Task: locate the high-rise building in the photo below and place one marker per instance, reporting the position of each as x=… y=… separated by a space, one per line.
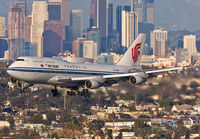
x=90 y=49
x=65 y=11
x=52 y=38
x=189 y=43
x=3 y=46
x=2 y=27
x=54 y=11
x=119 y=20
x=129 y=28
x=160 y=48
x=77 y=23
x=39 y=15
x=110 y=18
x=27 y=28
x=145 y=10
x=100 y=19
x=93 y=34
x=77 y=45
x=92 y=13
x=159 y=41
x=23 y=5
x=16 y=33
x=181 y=55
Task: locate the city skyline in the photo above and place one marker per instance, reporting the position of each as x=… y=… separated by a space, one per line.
x=166 y=13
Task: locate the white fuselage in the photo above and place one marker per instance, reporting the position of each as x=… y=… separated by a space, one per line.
x=42 y=70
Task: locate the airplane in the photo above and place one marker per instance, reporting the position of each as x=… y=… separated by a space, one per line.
x=79 y=78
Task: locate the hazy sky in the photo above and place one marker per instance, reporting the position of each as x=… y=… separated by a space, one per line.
x=169 y=14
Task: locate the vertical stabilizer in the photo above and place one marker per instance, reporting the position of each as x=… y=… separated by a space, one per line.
x=133 y=54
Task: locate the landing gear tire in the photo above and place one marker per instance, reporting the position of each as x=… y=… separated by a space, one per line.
x=71 y=93
x=86 y=93
x=55 y=92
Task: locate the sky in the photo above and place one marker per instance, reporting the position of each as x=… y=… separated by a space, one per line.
x=169 y=14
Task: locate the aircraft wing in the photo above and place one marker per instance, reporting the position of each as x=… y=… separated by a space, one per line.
x=125 y=74
x=113 y=76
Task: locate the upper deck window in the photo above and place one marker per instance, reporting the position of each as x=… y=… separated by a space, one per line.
x=20 y=59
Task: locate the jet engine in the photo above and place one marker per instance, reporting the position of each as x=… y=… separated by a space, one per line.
x=136 y=80
x=92 y=84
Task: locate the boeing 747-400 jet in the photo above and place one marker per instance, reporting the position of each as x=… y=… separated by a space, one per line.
x=80 y=77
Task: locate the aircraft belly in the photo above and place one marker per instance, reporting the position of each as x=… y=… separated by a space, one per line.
x=32 y=77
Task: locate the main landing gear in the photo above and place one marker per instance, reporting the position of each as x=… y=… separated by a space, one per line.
x=83 y=92
x=55 y=92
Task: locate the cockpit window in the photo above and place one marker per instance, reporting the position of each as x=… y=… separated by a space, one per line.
x=20 y=60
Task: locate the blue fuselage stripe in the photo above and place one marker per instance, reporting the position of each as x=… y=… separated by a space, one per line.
x=62 y=71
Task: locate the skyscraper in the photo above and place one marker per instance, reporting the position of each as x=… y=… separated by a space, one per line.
x=54 y=11
x=52 y=38
x=16 y=33
x=145 y=10
x=27 y=28
x=23 y=5
x=78 y=47
x=110 y=18
x=129 y=28
x=39 y=15
x=100 y=20
x=65 y=11
x=2 y=27
x=189 y=43
x=119 y=20
x=77 y=23
x=92 y=13
x=158 y=43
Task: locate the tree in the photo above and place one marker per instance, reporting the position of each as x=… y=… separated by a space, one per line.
x=11 y=121
x=180 y=123
x=5 y=131
x=65 y=117
x=95 y=127
x=119 y=136
x=194 y=85
x=112 y=116
x=51 y=116
x=37 y=118
x=2 y=117
x=55 y=136
x=140 y=124
x=143 y=116
x=183 y=88
x=125 y=116
x=187 y=134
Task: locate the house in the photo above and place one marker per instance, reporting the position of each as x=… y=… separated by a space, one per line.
x=4 y=124
x=196 y=108
x=125 y=135
x=33 y=126
x=182 y=108
x=120 y=124
x=113 y=109
x=92 y=117
x=188 y=122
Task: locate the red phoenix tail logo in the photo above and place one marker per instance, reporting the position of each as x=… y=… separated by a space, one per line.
x=136 y=52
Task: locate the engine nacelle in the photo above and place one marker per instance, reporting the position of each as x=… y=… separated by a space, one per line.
x=136 y=80
x=92 y=84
